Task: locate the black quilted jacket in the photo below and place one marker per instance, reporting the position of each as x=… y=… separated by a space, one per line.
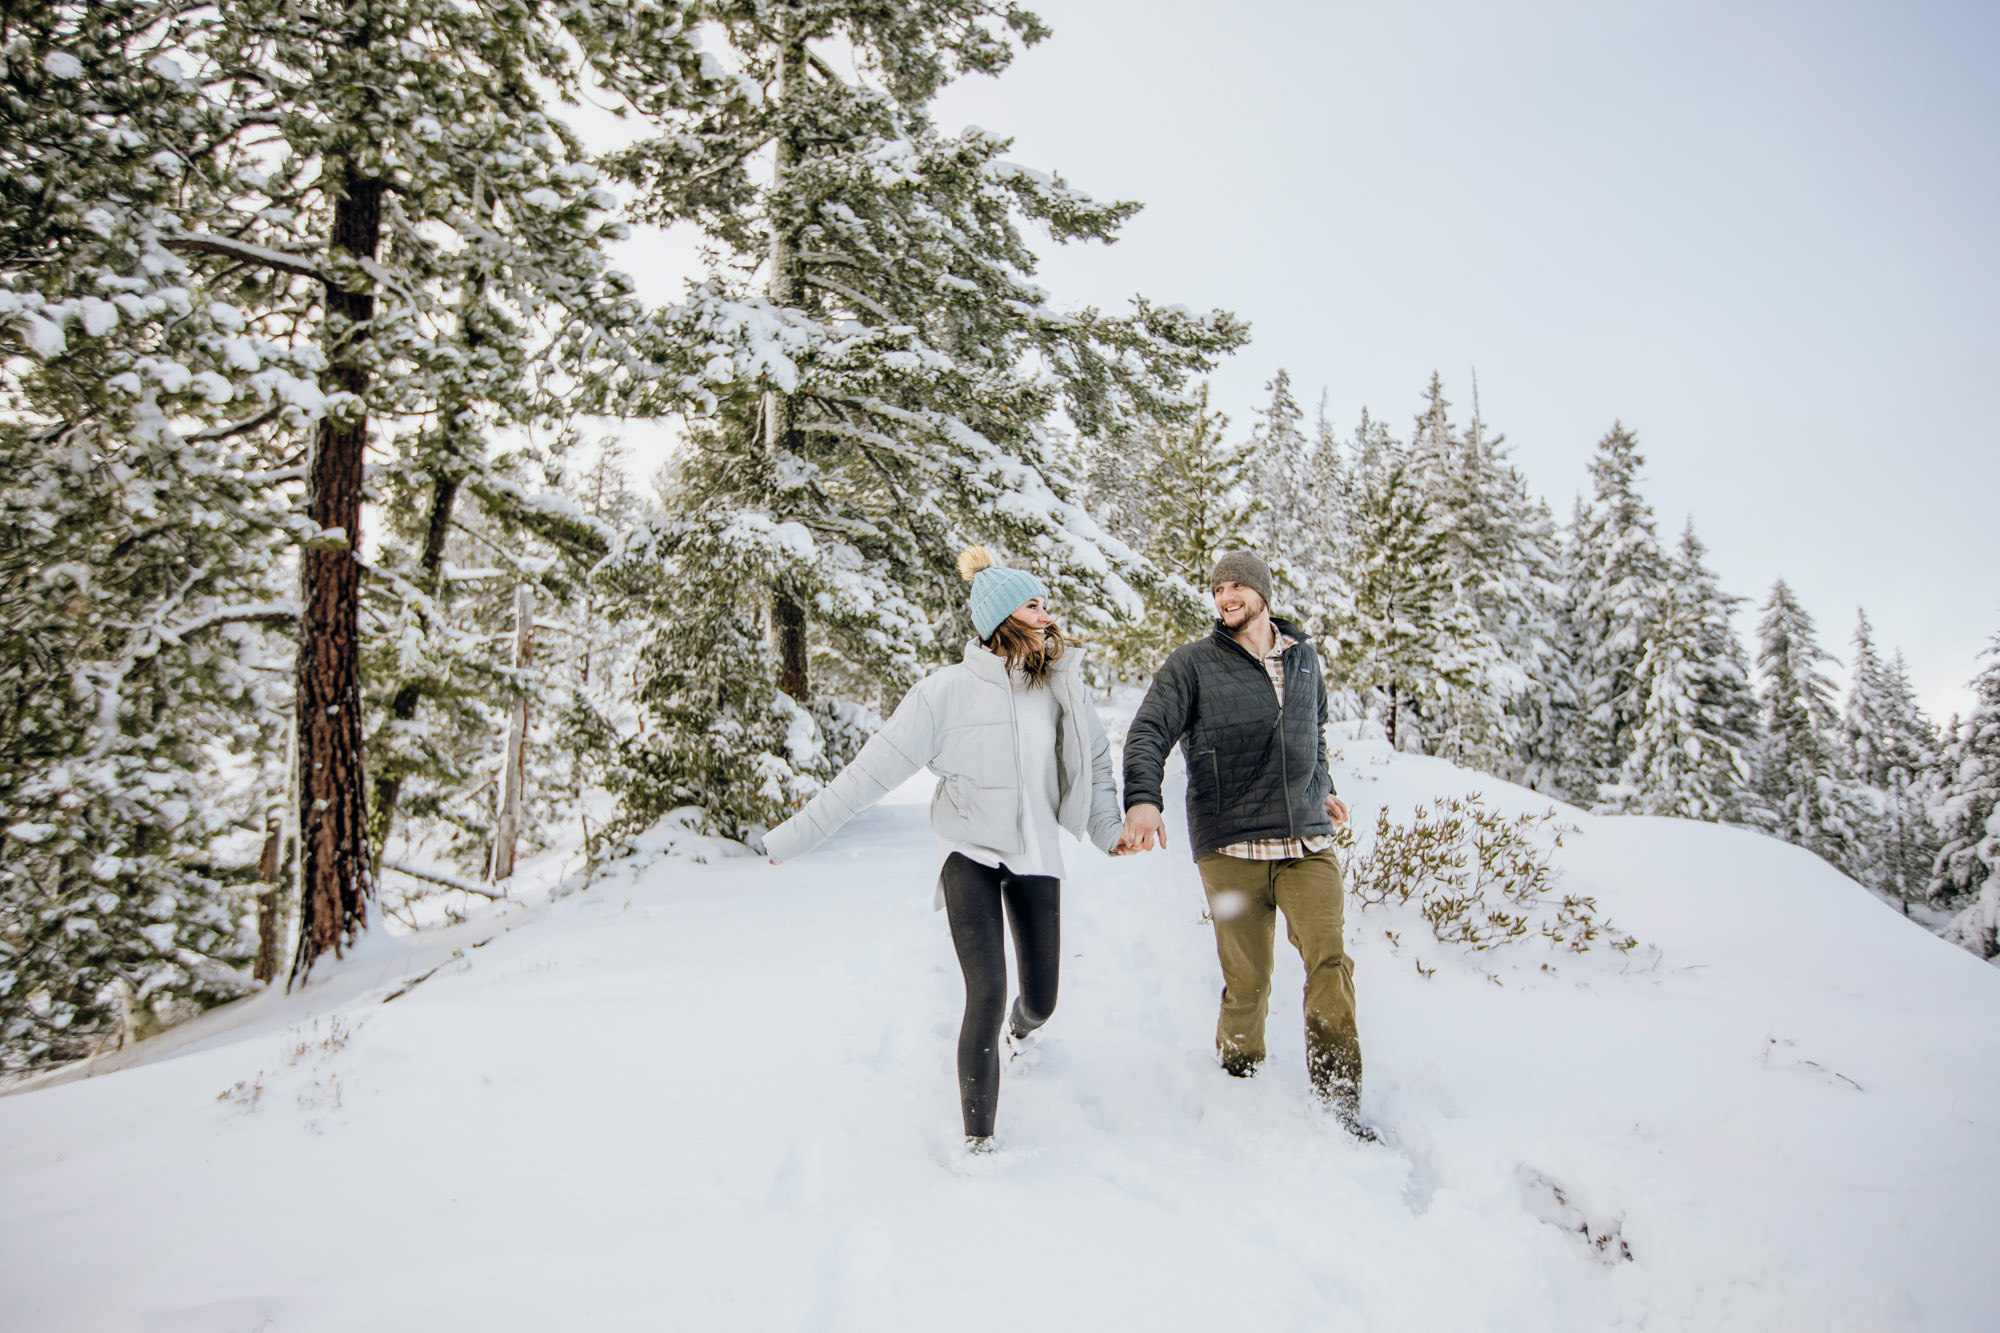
x=1254 y=770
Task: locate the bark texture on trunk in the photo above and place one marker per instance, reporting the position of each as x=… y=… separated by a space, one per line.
x=403 y=704
x=337 y=867
x=789 y=619
x=788 y=615
x=507 y=830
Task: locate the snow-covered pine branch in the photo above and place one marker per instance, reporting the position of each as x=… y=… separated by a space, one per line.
x=263 y=256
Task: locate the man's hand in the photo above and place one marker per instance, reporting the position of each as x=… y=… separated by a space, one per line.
x=1144 y=830
x=1336 y=810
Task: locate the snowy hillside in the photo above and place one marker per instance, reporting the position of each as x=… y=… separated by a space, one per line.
x=716 y=1096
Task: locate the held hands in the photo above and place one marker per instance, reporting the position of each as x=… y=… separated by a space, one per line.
x=1144 y=830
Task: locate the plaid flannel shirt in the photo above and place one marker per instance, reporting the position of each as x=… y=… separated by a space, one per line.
x=1278 y=849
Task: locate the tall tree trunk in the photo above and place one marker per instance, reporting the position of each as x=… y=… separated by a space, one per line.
x=403 y=704
x=1395 y=709
x=789 y=619
x=338 y=878
x=507 y=830
x=788 y=615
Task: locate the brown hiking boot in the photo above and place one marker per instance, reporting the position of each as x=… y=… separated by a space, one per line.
x=1343 y=1098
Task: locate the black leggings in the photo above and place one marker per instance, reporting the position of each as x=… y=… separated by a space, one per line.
x=973 y=898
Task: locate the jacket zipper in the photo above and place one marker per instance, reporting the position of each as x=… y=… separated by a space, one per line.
x=1285 y=774
x=1020 y=775
x=1284 y=761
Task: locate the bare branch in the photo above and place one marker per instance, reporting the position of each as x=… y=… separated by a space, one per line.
x=448 y=881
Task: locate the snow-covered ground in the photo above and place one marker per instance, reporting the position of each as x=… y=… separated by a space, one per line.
x=718 y=1095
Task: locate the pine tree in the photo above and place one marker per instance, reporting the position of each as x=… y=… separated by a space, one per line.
x=439 y=238
x=1197 y=502
x=1891 y=752
x=143 y=538
x=884 y=383
x=1692 y=751
x=1801 y=778
x=242 y=243
x=1864 y=719
x=1966 y=860
x=1977 y=926
x=1502 y=547
x=1284 y=530
x=1909 y=778
x=1194 y=503
x=1327 y=493
x=1618 y=578
x=1409 y=640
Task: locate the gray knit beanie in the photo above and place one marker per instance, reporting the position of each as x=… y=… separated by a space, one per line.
x=1246 y=569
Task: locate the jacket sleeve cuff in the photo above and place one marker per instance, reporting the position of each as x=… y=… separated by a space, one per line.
x=786 y=841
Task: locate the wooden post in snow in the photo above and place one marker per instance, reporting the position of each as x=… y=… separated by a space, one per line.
x=507 y=831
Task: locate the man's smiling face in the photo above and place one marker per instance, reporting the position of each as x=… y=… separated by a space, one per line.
x=1237 y=604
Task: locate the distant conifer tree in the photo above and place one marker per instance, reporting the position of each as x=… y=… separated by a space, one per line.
x=1802 y=778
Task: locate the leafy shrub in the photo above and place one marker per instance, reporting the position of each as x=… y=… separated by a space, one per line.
x=1480 y=878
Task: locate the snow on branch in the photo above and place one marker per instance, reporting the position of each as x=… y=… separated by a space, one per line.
x=262 y=255
x=448 y=881
x=233 y=428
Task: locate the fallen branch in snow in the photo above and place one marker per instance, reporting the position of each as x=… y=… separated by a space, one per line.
x=448 y=881
x=410 y=985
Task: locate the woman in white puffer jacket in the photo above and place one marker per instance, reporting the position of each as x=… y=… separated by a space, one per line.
x=1019 y=751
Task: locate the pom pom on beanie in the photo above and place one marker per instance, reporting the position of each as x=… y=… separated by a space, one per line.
x=997 y=591
x=971 y=560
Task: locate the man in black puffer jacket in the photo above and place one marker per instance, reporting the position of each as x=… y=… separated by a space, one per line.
x=1248 y=707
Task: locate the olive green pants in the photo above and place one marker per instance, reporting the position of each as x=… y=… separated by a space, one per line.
x=1244 y=898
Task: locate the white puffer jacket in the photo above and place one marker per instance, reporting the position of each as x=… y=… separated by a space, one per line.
x=959 y=721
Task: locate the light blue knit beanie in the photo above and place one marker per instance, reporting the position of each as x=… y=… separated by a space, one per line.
x=997 y=591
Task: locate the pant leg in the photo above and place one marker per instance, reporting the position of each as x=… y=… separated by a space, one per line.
x=1241 y=905
x=1312 y=893
x=972 y=903
x=1034 y=912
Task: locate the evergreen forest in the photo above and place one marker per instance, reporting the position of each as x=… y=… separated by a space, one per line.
x=327 y=585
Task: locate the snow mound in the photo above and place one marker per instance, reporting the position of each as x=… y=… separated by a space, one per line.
x=713 y=1094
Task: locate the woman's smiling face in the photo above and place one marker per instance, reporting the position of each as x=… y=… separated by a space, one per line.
x=1034 y=613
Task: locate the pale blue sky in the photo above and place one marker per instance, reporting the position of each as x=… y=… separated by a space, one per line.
x=1759 y=233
